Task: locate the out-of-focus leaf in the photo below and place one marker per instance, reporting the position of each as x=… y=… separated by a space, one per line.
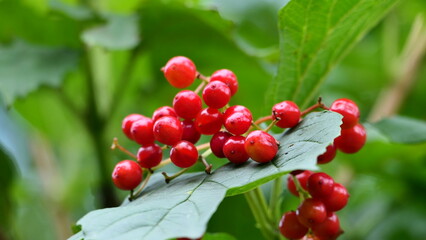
x=402 y=129
x=218 y=236
x=75 y=11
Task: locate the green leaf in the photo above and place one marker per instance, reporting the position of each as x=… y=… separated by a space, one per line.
x=402 y=129
x=119 y=33
x=315 y=36
x=184 y=207
x=218 y=236
x=25 y=67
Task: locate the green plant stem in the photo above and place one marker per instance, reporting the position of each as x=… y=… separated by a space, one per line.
x=259 y=215
x=276 y=199
x=302 y=193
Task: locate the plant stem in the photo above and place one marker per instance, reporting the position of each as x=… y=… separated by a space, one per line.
x=259 y=215
x=170 y=178
x=302 y=193
x=115 y=145
x=144 y=183
x=319 y=104
x=275 y=202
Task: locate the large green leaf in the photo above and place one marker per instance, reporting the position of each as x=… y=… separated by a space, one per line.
x=315 y=36
x=183 y=207
x=402 y=129
x=25 y=67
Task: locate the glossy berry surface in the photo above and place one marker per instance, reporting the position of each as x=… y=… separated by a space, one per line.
x=190 y=132
x=237 y=119
x=239 y=109
x=351 y=140
x=217 y=141
x=168 y=130
x=184 y=154
x=320 y=185
x=302 y=177
x=180 y=72
x=162 y=112
x=290 y=227
x=149 y=156
x=261 y=146
x=329 y=229
x=234 y=150
x=337 y=199
x=142 y=131
x=216 y=94
x=288 y=113
x=328 y=156
x=348 y=109
x=311 y=212
x=127 y=175
x=208 y=121
x=228 y=77
x=128 y=122
x=187 y=104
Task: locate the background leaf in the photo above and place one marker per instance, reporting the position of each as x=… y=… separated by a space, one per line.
x=402 y=129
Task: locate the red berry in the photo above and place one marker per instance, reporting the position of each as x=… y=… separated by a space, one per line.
x=168 y=130
x=142 y=131
x=127 y=175
x=302 y=177
x=328 y=156
x=337 y=199
x=208 y=121
x=290 y=227
x=348 y=109
x=311 y=212
x=127 y=124
x=234 y=150
x=162 y=112
x=329 y=229
x=150 y=156
x=216 y=94
x=190 y=132
x=228 y=77
x=237 y=108
x=261 y=146
x=187 y=104
x=180 y=72
x=288 y=113
x=237 y=119
x=320 y=185
x=184 y=154
x=217 y=142
x=351 y=140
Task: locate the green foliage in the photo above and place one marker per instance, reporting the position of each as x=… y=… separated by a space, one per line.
x=402 y=129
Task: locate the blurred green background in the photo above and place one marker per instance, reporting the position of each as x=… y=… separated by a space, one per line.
x=70 y=71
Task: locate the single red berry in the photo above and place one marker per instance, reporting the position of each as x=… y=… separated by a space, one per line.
x=328 y=156
x=237 y=121
x=128 y=122
x=168 y=130
x=180 y=72
x=228 y=77
x=184 y=154
x=302 y=177
x=234 y=149
x=290 y=227
x=127 y=175
x=261 y=146
x=217 y=142
x=351 y=140
x=162 y=112
x=348 y=109
x=237 y=108
x=311 y=212
x=190 y=132
x=187 y=104
x=150 y=156
x=329 y=229
x=337 y=199
x=320 y=185
x=142 y=131
x=288 y=113
x=208 y=121
x=216 y=94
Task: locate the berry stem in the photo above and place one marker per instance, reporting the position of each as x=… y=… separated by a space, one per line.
x=302 y=193
x=139 y=191
x=319 y=104
x=115 y=145
x=271 y=125
x=200 y=87
x=275 y=199
x=206 y=164
x=168 y=178
x=260 y=215
x=263 y=119
x=202 y=77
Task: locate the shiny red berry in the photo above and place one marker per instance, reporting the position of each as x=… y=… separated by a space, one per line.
x=234 y=150
x=261 y=146
x=127 y=124
x=237 y=108
x=320 y=185
x=290 y=227
x=184 y=154
x=190 y=132
x=208 y=121
x=302 y=177
x=180 y=72
x=337 y=199
x=216 y=94
x=168 y=130
x=237 y=119
x=162 y=112
x=187 y=104
x=351 y=140
x=217 y=142
x=329 y=229
x=149 y=156
x=328 y=156
x=348 y=109
x=142 y=131
x=311 y=212
x=288 y=113
x=228 y=77
x=127 y=175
